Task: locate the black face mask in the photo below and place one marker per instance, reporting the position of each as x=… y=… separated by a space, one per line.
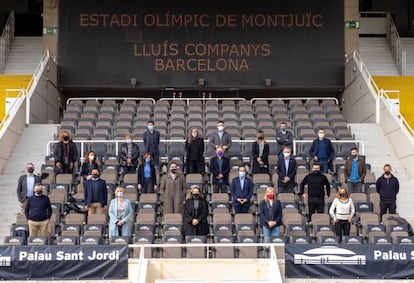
x=316 y=171
x=30 y=170
x=174 y=170
x=342 y=195
x=95 y=176
x=39 y=193
x=387 y=173
x=196 y=196
x=65 y=138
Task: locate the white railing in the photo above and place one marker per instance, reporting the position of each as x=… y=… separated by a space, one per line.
x=295 y=98
x=24 y=96
x=397 y=50
x=382 y=95
x=6 y=41
x=110 y=98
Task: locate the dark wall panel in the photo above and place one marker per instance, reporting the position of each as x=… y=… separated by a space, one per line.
x=295 y=43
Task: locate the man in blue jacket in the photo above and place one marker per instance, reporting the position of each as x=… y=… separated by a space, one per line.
x=95 y=194
x=322 y=151
x=241 y=192
x=38 y=212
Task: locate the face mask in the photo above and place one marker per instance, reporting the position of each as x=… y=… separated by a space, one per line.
x=316 y=171
x=95 y=176
x=260 y=138
x=128 y=141
x=30 y=170
x=194 y=134
x=196 y=196
x=150 y=128
x=283 y=129
x=220 y=153
x=286 y=154
x=39 y=192
x=119 y=194
x=220 y=128
x=342 y=195
x=173 y=170
x=270 y=196
x=65 y=138
x=387 y=173
x=91 y=157
x=242 y=174
x=321 y=136
x=147 y=160
x=353 y=156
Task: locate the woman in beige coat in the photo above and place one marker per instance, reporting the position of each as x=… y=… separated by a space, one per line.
x=173 y=190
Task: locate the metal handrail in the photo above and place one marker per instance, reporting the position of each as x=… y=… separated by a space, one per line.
x=295 y=98
x=109 y=98
x=397 y=50
x=6 y=41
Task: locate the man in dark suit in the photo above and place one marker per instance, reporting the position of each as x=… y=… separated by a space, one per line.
x=26 y=184
x=241 y=192
x=128 y=155
x=286 y=171
x=151 y=139
x=95 y=194
x=220 y=169
x=220 y=138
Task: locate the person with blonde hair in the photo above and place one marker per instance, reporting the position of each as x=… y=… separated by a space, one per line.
x=120 y=211
x=270 y=215
x=194 y=146
x=195 y=213
x=342 y=211
x=65 y=154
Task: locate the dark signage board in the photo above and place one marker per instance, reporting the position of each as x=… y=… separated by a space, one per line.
x=63 y=262
x=350 y=261
x=223 y=44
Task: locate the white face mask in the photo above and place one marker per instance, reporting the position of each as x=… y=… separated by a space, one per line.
x=194 y=134
x=321 y=135
x=220 y=128
x=120 y=194
x=242 y=174
x=286 y=154
x=150 y=127
x=128 y=141
x=91 y=157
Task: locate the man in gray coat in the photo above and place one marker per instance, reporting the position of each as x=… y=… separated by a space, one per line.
x=173 y=190
x=219 y=138
x=25 y=185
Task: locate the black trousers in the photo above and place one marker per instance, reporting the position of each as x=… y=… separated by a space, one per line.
x=389 y=205
x=195 y=166
x=315 y=205
x=342 y=227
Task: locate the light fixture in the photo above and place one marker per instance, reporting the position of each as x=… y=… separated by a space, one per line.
x=268 y=83
x=133 y=82
x=201 y=82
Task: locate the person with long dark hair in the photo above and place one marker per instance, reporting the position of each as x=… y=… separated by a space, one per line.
x=194 y=146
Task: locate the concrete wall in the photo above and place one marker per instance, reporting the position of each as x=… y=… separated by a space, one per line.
x=45 y=104
x=351 y=35
x=50 y=20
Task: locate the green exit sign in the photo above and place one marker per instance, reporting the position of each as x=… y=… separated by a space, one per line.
x=352 y=24
x=50 y=31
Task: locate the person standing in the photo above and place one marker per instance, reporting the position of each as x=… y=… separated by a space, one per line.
x=173 y=190
x=120 y=211
x=26 y=184
x=286 y=171
x=195 y=214
x=65 y=154
x=151 y=139
x=88 y=165
x=194 y=146
x=388 y=187
x=318 y=188
x=355 y=171
x=128 y=155
x=342 y=211
x=322 y=151
x=260 y=155
x=147 y=178
x=95 y=194
x=283 y=138
x=270 y=215
x=241 y=192
x=38 y=212
x=220 y=169
x=220 y=139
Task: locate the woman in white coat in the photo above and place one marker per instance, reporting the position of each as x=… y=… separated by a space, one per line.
x=120 y=212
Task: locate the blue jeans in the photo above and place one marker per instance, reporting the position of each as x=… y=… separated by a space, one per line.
x=324 y=165
x=267 y=233
x=242 y=208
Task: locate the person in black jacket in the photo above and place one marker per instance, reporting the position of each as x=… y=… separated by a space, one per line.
x=388 y=188
x=147 y=178
x=220 y=169
x=260 y=155
x=318 y=187
x=88 y=165
x=194 y=146
x=286 y=171
x=128 y=155
x=195 y=214
x=270 y=215
x=38 y=212
x=65 y=154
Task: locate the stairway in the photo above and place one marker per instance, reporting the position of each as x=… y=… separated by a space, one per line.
x=25 y=55
x=25 y=151
x=379 y=152
x=408 y=44
x=376 y=55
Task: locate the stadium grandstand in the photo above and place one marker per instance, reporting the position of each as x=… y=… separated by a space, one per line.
x=101 y=70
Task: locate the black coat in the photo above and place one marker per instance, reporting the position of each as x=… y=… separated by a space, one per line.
x=123 y=153
x=85 y=169
x=265 y=158
x=59 y=155
x=189 y=214
x=195 y=149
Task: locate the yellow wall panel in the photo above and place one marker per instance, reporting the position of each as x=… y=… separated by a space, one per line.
x=11 y=82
